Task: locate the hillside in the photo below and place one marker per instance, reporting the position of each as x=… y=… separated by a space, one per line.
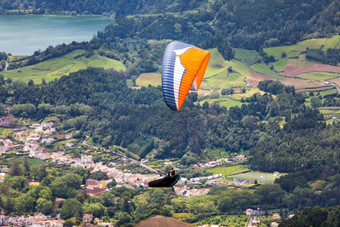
x=159 y=221
x=245 y=24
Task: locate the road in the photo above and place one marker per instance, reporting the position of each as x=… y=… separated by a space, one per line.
x=250 y=222
x=337 y=87
x=124 y=156
x=6 y=66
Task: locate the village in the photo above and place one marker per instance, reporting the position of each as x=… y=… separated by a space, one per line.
x=32 y=139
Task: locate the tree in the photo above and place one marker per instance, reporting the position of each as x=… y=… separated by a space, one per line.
x=42 y=172
x=269 y=194
x=62 y=186
x=71 y=208
x=26 y=165
x=99 y=175
x=96 y=209
x=315 y=102
x=108 y=199
x=69 y=223
x=112 y=183
x=16 y=168
x=44 y=206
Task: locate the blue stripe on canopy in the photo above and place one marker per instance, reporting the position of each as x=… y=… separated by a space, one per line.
x=168 y=68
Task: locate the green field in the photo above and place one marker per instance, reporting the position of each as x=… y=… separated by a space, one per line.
x=318 y=76
x=36 y=162
x=310 y=43
x=327 y=92
x=333 y=42
x=263 y=68
x=250 y=92
x=276 y=51
x=225 y=80
x=4 y=132
x=279 y=65
x=147 y=79
x=302 y=83
x=249 y=57
x=56 y=67
x=330 y=111
x=225 y=101
x=229 y=170
x=261 y=177
x=216 y=63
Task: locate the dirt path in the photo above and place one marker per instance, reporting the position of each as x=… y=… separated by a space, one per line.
x=250 y=222
x=6 y=66
x=337 y=87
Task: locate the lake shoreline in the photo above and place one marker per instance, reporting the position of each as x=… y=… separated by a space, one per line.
x=42 y=31
x=66 y=14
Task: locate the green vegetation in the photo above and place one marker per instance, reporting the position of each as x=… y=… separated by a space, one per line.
x=333 y=42
x=5 y=132
x=57 y=67
x=311 y=43
x=226 y=220
x=249 y=57
x=277 y=51
x=145 y=79
x=263 y=68
x=225 y=80
x=261 y=177
x=322 y=76
x=229 y=170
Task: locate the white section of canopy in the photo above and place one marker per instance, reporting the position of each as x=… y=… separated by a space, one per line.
x=179 y=70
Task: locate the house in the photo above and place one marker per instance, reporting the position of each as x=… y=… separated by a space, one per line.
x=95 y=191
x=33 y=137
x=106 y=224
x=276 y=216
x=39 y=129
x=249 y=212
x=46 y=125
x=35 y=126
x=2 y=177
x=6 y=142
x=21 y=136
x=47 y=140
x=4 y=170
x=274 y=224
x=87 y=218
x=49 y=132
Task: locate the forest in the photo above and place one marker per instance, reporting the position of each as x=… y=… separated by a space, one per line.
x=244 y=24
x=99 y=104
x=276 y=129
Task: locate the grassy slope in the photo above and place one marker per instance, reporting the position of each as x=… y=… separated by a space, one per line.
x=333 y=42
x=230 y=170
x=146 y=79
x=56 y=67
x=318 y=76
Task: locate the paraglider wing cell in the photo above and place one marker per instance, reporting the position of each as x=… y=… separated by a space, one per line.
x=183 y=69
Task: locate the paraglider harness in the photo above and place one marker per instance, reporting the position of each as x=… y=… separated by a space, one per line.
x=169 y=180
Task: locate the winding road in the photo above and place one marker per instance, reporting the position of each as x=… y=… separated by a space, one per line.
x=124 y=156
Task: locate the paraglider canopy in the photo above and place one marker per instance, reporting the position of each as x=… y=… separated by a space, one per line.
x=183 y=69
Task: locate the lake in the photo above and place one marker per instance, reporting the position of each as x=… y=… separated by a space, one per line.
x=24 y=34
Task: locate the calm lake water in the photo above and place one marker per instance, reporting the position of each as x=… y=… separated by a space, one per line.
x=22 y=35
